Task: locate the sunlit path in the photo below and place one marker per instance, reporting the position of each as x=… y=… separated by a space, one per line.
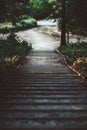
x=50 y=22
x=39 y=40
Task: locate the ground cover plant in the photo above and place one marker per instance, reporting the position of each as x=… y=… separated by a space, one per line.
x=76 y=56
x=22 y=24
x=12 y=50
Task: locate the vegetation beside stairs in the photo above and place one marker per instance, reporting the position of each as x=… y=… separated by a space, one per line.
x=13 y=49
x=76 y=56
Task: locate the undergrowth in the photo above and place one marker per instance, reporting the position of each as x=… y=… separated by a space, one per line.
x=20 y=25
x=12 y=50
x=76 y=56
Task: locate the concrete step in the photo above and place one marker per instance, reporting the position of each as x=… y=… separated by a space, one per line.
x=43 y=96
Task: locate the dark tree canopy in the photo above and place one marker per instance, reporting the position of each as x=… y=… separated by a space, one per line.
x=77 y=14
x=76 y=11
x=35 y=8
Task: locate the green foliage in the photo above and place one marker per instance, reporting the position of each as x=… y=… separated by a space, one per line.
x=40 y=8
x=23 y=24
x=28 y=21
x=21 y=17
x=11 y=51
x=74 y=50
x=76 y=55
x=81 y=65
x=12 y=10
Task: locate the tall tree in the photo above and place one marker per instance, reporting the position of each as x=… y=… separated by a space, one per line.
x=77 y=14
x=41 y=8
x=63 y=23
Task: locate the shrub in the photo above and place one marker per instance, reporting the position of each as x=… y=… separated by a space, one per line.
x=74 y=50
x=23 y=24
x=11 y=51
x=21 y=17
x=30 y=21
x=76 y=56
x=81 y=65
x=18 y=25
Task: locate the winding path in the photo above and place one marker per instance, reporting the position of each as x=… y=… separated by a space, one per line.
x=39 y=40
x=43 y=93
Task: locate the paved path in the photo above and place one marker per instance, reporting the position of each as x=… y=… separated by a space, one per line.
x=43 y=94
x=39 y=40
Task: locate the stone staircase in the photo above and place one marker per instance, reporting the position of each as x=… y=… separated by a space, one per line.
x=43 y=94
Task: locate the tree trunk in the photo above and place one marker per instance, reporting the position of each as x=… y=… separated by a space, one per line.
x=67 y=34
x=12 y=12
x=63 y=26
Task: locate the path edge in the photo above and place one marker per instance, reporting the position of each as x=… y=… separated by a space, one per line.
x=66 y=63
